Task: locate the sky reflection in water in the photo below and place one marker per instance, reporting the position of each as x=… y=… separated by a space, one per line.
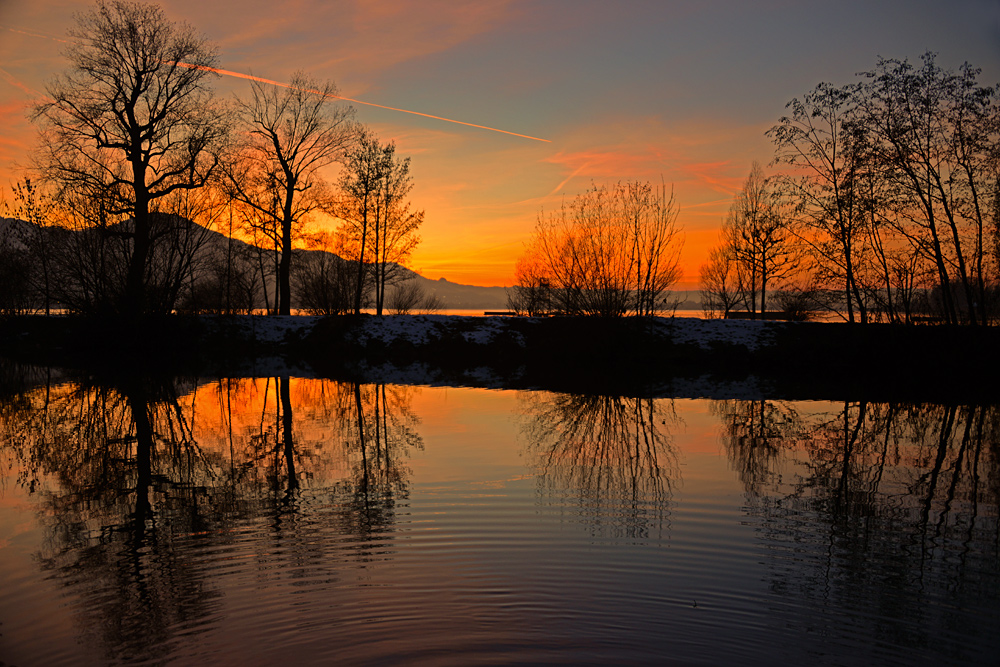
x=261 y=520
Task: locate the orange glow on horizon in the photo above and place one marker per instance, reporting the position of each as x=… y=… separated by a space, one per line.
x=494 y=266
x=478 y=221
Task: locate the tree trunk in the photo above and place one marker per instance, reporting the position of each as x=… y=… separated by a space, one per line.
x=284 y=269
x=135 y=288
x=139 y=408
x=288 y=444
x=361 y=264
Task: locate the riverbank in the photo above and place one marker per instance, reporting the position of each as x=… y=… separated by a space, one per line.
x=657 y=356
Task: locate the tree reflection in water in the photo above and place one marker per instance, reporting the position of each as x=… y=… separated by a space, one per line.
x=879 y=509
x=138 y=478
x=612 y=456
x=380 y=433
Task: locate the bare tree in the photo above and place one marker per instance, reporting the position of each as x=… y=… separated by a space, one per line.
x=323 y=283
x=359 y=207
x=396 y=228
x=759 y=240
x=294 y=133
x=652 y=212
x=398 y=238
x=405 y=297
x=895 y=179
x=15 y=270
x=379 y=231
x=612 y=251
x=260 y=222
x=935 y=133
x=719 y=293
x=133 y=119
x=822 y=141
x=408 y=296
x=91 y=259
x=229 y=284
x=531 y=294
x=35 y=207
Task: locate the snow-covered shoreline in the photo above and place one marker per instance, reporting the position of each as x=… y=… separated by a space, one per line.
x=421 y=329
x=681 y=357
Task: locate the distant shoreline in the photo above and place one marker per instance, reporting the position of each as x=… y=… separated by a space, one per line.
x=657 y=356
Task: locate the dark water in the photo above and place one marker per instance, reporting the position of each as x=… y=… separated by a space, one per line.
x=276 y=520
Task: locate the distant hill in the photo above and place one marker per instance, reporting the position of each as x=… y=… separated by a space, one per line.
x=452 y=295
x=12 y=231
x=468 y=297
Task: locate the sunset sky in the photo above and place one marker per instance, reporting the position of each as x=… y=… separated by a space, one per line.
x=679 y=91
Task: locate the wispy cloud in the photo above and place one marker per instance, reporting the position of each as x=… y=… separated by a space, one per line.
x=358 y=38
x=17 y=83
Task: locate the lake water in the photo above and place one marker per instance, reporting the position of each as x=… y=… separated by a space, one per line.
x=300 y=521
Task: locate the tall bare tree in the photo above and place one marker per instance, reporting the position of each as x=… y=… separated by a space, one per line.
x=823 y=144
x=379 y=229
x=895 y=180
x=936 y=135
x=759 y=238
x=366 y=166
x=293 y=134
x=133 y=119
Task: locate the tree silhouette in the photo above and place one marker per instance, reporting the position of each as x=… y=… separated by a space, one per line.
x=894 y=182
x=612 y=251
x=379 y=231
x=294 y=133
x=131 y=123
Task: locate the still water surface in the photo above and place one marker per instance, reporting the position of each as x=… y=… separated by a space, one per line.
x=284 y=520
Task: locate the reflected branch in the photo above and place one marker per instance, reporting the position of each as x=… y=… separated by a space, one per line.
x=127 y=484
x=615 y=456
x=859 y=504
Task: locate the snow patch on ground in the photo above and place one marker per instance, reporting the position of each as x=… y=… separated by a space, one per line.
x=421 y=329
x=275 y=329
x=488 y=330
x=265 y=328
x=690 y=330
x=415 y=329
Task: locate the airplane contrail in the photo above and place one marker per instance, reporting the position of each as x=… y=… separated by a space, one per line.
x=569 y=178
x=250 y=77
x=40 y=35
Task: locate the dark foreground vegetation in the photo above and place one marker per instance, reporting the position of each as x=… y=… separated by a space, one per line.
x=631 y=356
